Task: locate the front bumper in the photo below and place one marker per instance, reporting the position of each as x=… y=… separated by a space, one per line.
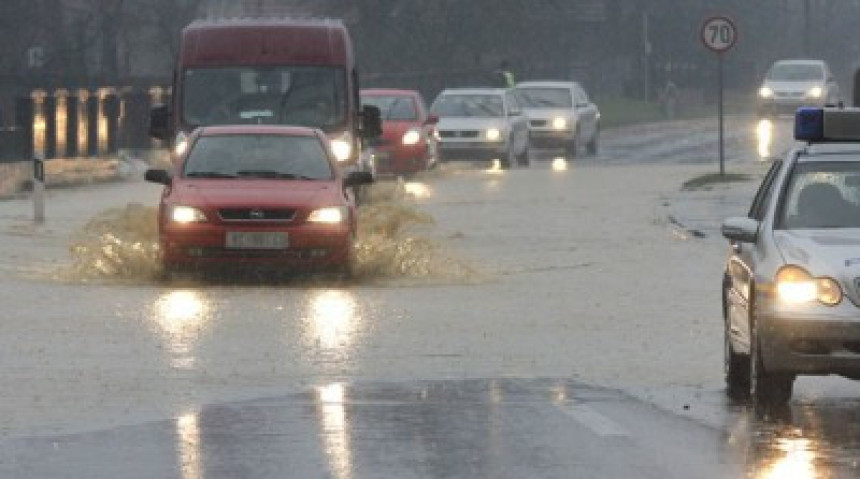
x=810 y=344
x=400 y=160
x=310 y=247
x=472 y=151
x=550 y=138
x=787 y=106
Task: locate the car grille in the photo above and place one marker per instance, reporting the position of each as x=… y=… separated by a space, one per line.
x=785 y=94
x=257 y=214
x=459 y=133
x=538 y=123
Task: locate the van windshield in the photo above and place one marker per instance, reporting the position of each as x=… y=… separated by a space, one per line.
x=303 y=96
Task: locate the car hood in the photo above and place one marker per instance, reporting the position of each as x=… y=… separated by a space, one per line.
x=833 y=253
x=793 y=86
x=216 y=193
x=472 y=123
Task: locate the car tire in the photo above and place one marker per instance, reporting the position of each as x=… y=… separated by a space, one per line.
x=767 y=390
x=737 y=369
x=524 y=159
x=571 y=147
x=593 y=146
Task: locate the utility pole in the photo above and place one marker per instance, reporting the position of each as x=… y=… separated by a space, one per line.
x=807 y=28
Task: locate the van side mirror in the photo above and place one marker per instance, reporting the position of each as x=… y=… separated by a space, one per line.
x=159 y=122
x=358 y=178
x=161 y=177
x=740 y=229
x=371 y=122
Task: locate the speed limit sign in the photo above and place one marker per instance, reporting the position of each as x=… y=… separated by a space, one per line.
x=719 y=34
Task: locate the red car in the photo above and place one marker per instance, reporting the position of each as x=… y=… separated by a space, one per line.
x=408 y=143
x=270 y=197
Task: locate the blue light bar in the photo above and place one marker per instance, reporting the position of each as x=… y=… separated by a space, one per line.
x=819 y=125
x=809 y=124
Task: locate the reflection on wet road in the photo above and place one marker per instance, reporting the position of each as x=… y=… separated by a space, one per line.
x=180 y=317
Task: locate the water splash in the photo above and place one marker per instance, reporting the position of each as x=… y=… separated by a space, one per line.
x=394 y=242
x=119 y=243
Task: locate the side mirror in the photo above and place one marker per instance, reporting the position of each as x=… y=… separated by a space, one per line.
x=432 y=120
x=371 y=122
x=741 y=229
x=161 y=177
x=159 y=122
x=358 y=178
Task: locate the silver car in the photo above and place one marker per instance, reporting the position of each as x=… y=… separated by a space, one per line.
x=481 y=124
x=560 y=115
x=791 y=290
x=791 y=84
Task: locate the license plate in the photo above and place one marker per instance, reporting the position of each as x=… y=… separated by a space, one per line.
x=255 y=240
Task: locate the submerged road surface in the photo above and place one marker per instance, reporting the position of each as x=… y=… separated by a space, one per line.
x=572 y=331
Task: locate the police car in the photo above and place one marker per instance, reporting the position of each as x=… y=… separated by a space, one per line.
x=791 y=289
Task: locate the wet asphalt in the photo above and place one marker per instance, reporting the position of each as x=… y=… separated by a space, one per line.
x=587 y=345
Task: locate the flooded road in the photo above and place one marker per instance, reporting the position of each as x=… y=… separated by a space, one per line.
x=553 y=288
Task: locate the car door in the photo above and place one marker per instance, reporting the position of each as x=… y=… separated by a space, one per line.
x=586 y=113
x=740 y=271
x=517 y=124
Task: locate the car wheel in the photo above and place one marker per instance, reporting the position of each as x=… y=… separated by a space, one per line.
x=571 y=147
x=767 y=390
x=737 y=369
x=509 y=160
x=524 y=158
x=592 y=146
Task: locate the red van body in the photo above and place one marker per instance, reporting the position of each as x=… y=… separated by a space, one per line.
x=267 y=72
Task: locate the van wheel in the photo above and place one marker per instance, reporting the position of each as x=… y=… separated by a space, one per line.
x=524 y=159
x=571 y=147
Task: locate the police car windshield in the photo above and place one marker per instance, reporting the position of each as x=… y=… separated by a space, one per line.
x=823 y=194
x=545 y=97
x=258 y=156
x=796 y=72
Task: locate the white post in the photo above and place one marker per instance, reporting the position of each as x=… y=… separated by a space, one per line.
x=38 y=190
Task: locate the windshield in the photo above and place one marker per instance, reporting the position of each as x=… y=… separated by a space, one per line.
x=305 y=96
x=796 y=72
x=545 y=97
x=263 y=156
x=823 y=195
x=393 y=108
x=490 y=106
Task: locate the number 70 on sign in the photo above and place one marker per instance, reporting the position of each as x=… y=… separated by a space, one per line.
x=719 y=34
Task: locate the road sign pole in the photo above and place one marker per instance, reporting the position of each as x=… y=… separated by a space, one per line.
x=38 y=190
x=720 y=113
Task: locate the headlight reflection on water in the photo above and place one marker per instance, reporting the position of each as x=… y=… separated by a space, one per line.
x=764 y=137
x=180 y=315
x=334 y=429
x=188 y=447
x=333 y=319
x=559 y=164
x=797 y=463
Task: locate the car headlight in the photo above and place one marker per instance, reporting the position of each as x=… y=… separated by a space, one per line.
x=331 y=215
x=180 y=145
x=493 y=134
x=342 y=147
x=187 y=214
x=411 y=137
x=559 y=123
x=815 y=92
x=765 y=92
x=794 y=285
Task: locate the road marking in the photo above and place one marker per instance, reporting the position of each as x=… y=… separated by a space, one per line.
x=588 y=417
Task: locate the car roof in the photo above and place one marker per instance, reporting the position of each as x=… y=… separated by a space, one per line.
x=799 y=61
x=474 y=91
x=388 y=91
x=547 y=83
x=257 y=130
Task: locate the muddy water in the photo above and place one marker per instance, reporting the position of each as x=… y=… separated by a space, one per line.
x=394 y=243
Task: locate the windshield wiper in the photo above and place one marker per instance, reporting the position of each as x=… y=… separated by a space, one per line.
x=272 y=174
x=208 y=174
